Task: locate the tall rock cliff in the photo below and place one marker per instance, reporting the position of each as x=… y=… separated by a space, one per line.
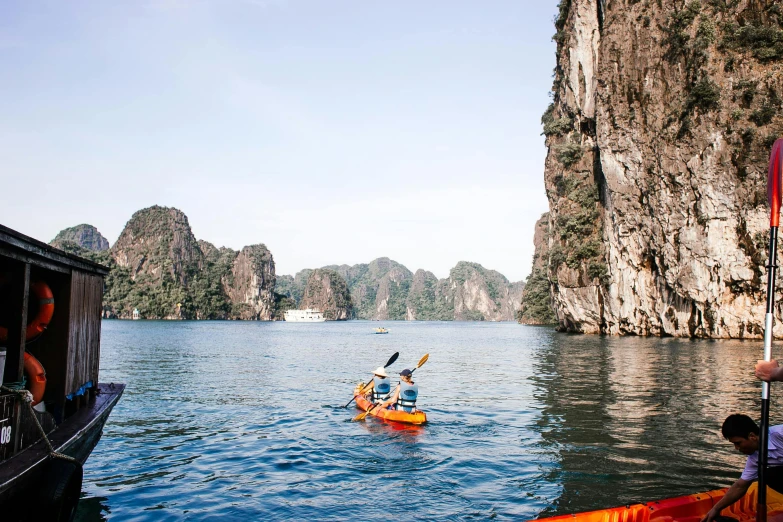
x=251 y=288
x=429 y=299
x=158 y=244
x=536 y=301
x=481 y=294
x=379 y=289
x=84 y=236
x=158 y=268
x=662 y=119
x=327 y=291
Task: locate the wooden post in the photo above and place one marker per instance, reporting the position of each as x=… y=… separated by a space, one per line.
x=18 y=296
x=17 y=327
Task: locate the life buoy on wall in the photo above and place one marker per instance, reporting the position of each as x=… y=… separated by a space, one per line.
x=36 y=377
x=38 y=324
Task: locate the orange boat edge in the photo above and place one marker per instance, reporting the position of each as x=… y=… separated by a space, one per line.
x=417 y=417
x=689 y=508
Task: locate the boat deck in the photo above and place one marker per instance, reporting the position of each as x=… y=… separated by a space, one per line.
x=75 y=437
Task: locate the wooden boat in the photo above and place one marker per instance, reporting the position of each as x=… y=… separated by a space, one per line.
x=689 y=508
x=43 y=449
x=417 y=417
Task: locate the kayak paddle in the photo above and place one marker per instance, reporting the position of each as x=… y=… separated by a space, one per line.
x=364 y=389
x=362 y=415
x=774 y=197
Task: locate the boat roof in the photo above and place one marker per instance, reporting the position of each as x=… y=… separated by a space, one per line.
x=23 y=248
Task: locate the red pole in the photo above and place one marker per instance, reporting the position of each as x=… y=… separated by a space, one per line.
x=774 y=197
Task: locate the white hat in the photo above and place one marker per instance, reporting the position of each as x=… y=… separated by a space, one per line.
x=380 y=372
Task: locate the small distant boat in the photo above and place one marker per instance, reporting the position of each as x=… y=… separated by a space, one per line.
x=381 y=330
x=304 y=316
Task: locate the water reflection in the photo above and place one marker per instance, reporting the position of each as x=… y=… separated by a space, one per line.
x=245 y=421
x=638 y=419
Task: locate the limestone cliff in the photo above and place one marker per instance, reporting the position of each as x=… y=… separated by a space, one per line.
x=293 y=287
x=158 y=268
x=327 y=291
x=251 y=288
x=386 y=290
x=158 y=244
x=481 y=294
x=84 y=236
x=658 y=137
x=536 y=302
x=428 y=299
x=378 y=289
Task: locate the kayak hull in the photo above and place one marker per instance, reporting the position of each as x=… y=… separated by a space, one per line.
x=417 y=417
x=689 y=508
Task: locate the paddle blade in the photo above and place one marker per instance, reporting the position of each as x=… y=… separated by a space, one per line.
x=361 y=416
x=775 y=183
x=423 y=360
x=391 y=360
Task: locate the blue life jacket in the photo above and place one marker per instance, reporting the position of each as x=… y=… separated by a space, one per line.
x=381 y=387
x=407 y=398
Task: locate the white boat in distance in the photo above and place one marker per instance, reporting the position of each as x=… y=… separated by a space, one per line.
x=304 y=316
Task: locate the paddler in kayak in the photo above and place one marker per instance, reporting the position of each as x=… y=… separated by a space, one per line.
x=381 y=386
x=743 y=432
x=405 y=394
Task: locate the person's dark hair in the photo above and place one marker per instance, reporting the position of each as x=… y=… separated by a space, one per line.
x=739 y=425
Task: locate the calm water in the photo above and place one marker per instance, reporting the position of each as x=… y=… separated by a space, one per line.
x=241 y=420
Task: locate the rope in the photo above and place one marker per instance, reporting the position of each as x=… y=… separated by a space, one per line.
x=27 y=398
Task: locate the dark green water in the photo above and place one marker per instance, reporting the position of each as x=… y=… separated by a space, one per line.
x=242 y=421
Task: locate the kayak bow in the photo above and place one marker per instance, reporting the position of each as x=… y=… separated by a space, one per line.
x=690 y=508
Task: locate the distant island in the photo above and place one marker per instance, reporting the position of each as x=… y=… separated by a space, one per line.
x=159 y=270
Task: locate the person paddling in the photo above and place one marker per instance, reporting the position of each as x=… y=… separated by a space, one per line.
x=743 y=432
x=381 y=385
x=405 y=394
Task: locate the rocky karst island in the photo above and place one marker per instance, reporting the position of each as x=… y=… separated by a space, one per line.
x=159 y=270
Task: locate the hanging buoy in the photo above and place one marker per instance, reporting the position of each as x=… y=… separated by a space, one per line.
x=36 y=377
x=43 y=294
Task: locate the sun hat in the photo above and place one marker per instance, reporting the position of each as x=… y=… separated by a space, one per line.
x=380 y=372
x=406 y=373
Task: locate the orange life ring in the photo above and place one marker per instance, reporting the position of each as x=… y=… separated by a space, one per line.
x=43 y=293
x=37 y=377
x=45 y=309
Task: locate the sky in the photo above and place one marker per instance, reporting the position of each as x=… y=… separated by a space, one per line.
x=334 y=132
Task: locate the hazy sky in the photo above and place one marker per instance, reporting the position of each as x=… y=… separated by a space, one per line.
x=332 y=131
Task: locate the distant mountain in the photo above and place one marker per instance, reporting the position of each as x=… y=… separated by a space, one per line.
x=378 y=289
x=326 y=291
x=387 y=290
x=83 y=236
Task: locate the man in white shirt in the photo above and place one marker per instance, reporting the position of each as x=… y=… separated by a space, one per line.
x=741 y=431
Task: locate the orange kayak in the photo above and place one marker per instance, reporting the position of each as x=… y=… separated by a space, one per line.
x=417 y=417
x=690 y=508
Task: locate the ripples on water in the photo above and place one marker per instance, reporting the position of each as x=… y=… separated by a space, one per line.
x=241 y=420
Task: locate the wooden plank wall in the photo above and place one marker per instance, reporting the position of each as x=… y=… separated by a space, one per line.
x=84 y=340
x=51 y=347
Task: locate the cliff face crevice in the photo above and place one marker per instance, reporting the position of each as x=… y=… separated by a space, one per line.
x=662 y=118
